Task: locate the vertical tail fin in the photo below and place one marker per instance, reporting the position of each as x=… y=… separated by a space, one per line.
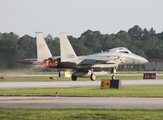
x=67 y=52
x=43 y=51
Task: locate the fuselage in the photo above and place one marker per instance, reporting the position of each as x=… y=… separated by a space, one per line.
x=116 y=58
x=107 y=59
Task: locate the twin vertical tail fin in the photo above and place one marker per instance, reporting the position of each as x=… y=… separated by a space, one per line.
x=43 y=51
x=67 y=52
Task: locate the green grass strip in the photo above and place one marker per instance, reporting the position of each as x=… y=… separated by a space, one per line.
x=125 y=91
x=80 y=114
x=46 y=79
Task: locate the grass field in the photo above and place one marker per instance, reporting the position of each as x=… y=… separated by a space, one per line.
x=80 y=114
x=126 y=91
x=47 y=78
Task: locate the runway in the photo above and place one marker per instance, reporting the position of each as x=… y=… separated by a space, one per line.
x=81 y=102
x=55 y=84
x=78 y=102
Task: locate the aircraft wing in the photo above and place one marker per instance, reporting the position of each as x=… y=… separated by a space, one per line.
x=100 y=59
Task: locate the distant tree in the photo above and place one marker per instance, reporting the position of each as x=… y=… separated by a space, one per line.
x=49 y=37
x=160 y=36
x=152 y=31
x=8 y=43
x=27 y=46
x=81 y=49
x=107 y=43
x=8 y=49
x=135 y=33
x=54 y=46
x=1 y=36
x=86 y=33
x=93 y=40
x=155 y=53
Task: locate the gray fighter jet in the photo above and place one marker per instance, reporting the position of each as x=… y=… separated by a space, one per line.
x=92 y=65
x=84 y=66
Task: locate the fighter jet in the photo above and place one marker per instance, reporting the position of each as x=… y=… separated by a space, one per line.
x=83 y=66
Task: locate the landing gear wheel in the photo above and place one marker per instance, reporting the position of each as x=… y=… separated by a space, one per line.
x=74 y=78
x=113 y=77
x=93 y=77
x=59 y=74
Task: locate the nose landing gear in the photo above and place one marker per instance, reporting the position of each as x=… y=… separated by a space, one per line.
x=113 y=70
x=93 y=77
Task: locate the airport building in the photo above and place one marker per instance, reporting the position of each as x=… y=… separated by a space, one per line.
x=154 y=64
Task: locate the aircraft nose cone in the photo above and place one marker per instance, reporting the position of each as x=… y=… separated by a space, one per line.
x=144 y=61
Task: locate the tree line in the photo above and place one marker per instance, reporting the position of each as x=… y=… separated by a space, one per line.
x=146 y=43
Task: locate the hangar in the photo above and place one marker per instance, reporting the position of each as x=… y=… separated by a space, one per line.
x=154 y=64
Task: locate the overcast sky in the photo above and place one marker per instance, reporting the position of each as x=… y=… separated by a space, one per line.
x=77 y=16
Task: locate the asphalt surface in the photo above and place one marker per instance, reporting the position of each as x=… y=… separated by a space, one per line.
x=81 y=102
x=53 y=84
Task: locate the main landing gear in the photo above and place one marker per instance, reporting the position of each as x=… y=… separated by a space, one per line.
x=87 y=73
x=113 y=70
x=74 y=78
x=93 y=77
x=113 y=77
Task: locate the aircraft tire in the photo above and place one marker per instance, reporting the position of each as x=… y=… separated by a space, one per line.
x=59 y=74
x=74 y=78
x=113 y=77
x=93 y=77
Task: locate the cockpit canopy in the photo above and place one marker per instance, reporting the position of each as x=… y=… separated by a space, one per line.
x=120 y=49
